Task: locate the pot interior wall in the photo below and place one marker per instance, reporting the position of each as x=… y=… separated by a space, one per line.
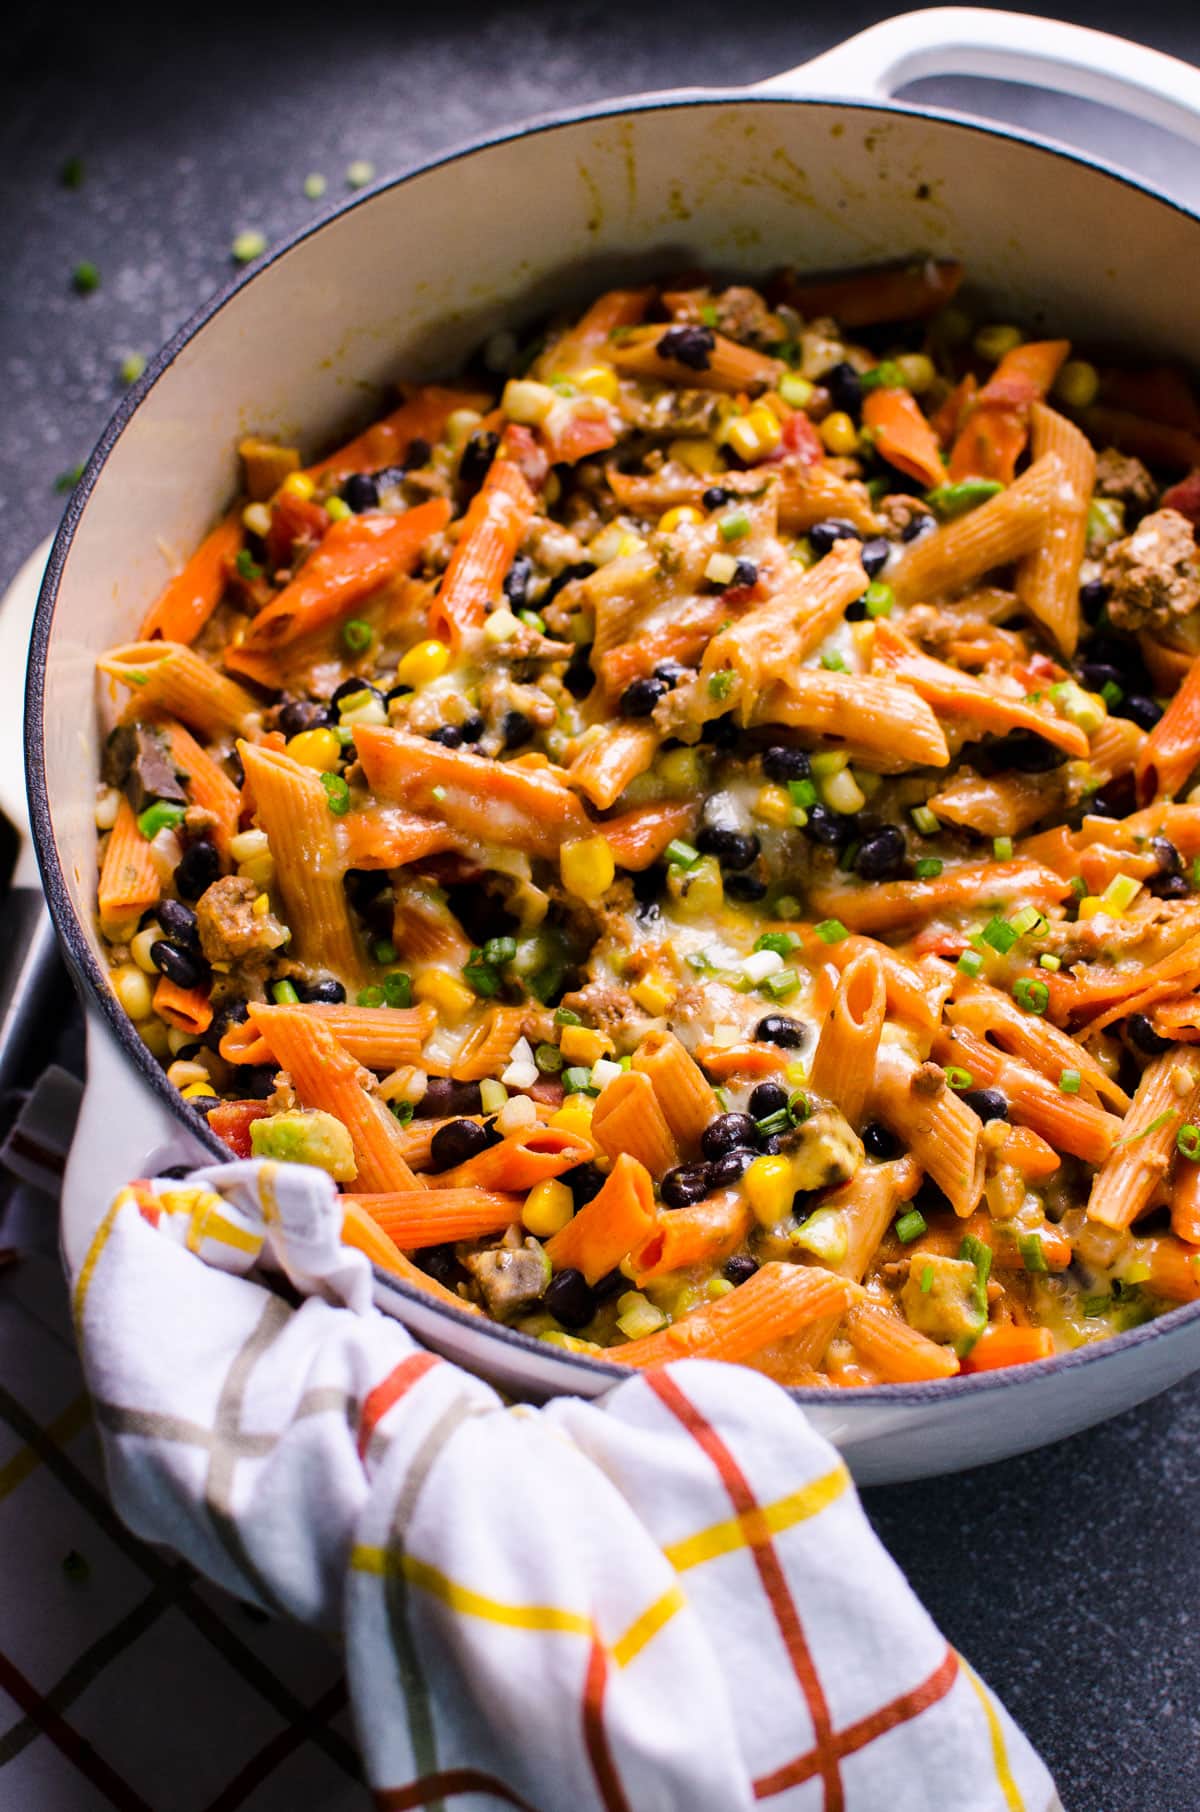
x=407 y=282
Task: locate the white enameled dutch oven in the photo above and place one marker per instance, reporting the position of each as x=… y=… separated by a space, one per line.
x=819 y=168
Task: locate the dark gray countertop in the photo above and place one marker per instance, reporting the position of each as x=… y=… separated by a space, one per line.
x=1068 y=1577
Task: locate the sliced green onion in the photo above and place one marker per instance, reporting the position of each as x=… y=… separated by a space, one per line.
x=720 y=685
x=1027 y=920
x=951 y=500
x=735 y=526
x=71 y=174
x=577 y=1080
x=879 y=599
x=1033 y=996
x=357 y=635
x=887 y=375
x=778 y=1122
x=799 y=1106
x=247 y=566
x=832 y=661
x=283 y=993
x=970 y=963
x=159 y=816
x=802 y=793
x=397 y=989
x=370 y=997
x=926 y=822
x=781 y=984
x=1187 y=1141
x=910 y=1226
x=359 y=173
x=315 y=186
x=1002 y=849
x=66 y=481
x=680 y=854
x=403 y=1111
x=781 y=942
x=1111 y=693
x=708 y=314
x=927 y=868
x=1069 y=1082
x=383 y=951
x=480 y=975
x=1053 y=963
x=831 y=931
x=567 y=1016
x=85 y=278
x=499 y=950
x=1155 y=1125
x=1033 y=1255
x=721 y=1097
x=1121 y=892
x=248 y=246
x=548 y=1058
x=1000 y=935
x=957 y=1078
x=131 y=367
x=337 y=794
x=926 y=1279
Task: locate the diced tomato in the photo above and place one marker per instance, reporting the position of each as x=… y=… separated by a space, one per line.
x=549 y=1091
x=1039 y=669
x=1184 y=497
x=521 y=446
x=232 y=1120
x=800 y=442
x=295 y=522
x=587 y=430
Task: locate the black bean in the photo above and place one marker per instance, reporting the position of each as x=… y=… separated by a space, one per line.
x=921 y=524
x=448 y=735
x=297 y=714
x=1143 y=1037
x=1123 y=653
x=232 y=1011
x=416 y=454
x=578 y=677
x=845 y=387
x=180 y=923
x=397 y=692
x=726 y=1131
x=988 y=1103
x=727 y=1171
x=767 y=1098
x=186 y=968
x=562 y=579
x=641 y=695
x=769 y=1146
x=715 y=496
x=732 y=848
x=1168 y=887
x=721 y=732
x=777 y=1028
x=745 y=887
x=613 y=1283
x=878 y=1142
x=455 y=1143
x=1116 y=800
x=1169 y=860
x=740 y=1267
x=670 y=673
x=443 y=1096
x=745 y=573
x=352 y=688
x=782 y=764
x=1095 y=675
x=327 y=991
x=690 y=346
x=361 y=492
x=1139 y=710
x=686 y=1184
x=198 y=868
x=570 y=1298
x=441 y=1263
x=1092 y=598
x=822 y=535
x=516 y=729
x=476 y=458
x=881 y=854
x=1027 y=753
x=828 y=827
x=473 y=728
x=584 y=1182
x=875 y=555
x=516 y=583
x=256 y=1081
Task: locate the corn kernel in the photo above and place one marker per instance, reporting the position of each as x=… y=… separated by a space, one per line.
x=766 y=425
x=842 y=793
x=133 y=991
x=681 y=771
x=260 y=906
x=319 y=749
x=448 y=993
x=1077 y=384
x=108 y=804
x=598 y=380
x=796 y=1074
x=574 y=1117
x=993 y=341
x=919 y=371
x=501 y=625
x=587 y=867
x=425 y=662
x=654 y=992
x=699 y=456
x=795 y=390
x=177 y=1039
x=527 y=402
x=629 y=544
x=460 y=425
x=199 y=1091
x=774 y=806
x=682 y=514
x=298 y=484
x=605 y=544
x=141 y=946
x=157 y=1038
x=698 y=890
x=548 y=1208
x=769 y=1188
x=337 y=509
x=741 y=435
x=838 y=433
x=184 y=1073
x=257 y=518
x=581 y=1044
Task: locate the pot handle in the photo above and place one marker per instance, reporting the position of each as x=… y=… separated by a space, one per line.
x=1010 y=47
x=123 y=1131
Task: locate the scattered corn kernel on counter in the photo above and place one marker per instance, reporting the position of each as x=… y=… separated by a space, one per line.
x=692 y=828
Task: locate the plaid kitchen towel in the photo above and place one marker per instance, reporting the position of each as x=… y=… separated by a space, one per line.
x=668 y=1599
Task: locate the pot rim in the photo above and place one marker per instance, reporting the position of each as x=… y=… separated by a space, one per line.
x=88 y=974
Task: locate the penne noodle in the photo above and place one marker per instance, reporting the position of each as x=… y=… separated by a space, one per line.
x=628 y=1118
x=958 y=695
x=209 y=786
x=1172 y=749
x=1005 y=1344
x=999 y=531
x=380 y=1038
x=492 y=531
x=1002 y=806
x=421 y=416
x=682 y=1091
x=777 y=1302
x=902 y=434
x=530 y=1156
x=728 y=366
x=608 y=1228
x=871 y=713
x=359 y=1230
x=988 y=1013
x=415 y=1218
x=639 y=837
x=611 y=759
x=844 y=1061
x=489 y=1044
x=705 y=1232
x=588 y=339
x=325 y=1075
x=129 y=876
x=188 y=1009
x=388 y=837
x=168 y=678
x=1068 y=1122
x=292 y=807
x=188 y=600
x=1135 y=1172
x=898 y=1353
x=893 y=904
x=772 y=639
x=995 y=427
x=1048 y=578
x=807 y=495
x=939 y=1129
x=869 y=298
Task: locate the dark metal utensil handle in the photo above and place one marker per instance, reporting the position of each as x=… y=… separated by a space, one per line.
x=32 y=979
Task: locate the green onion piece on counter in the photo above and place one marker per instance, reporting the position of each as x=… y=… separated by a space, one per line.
x=315 y=186
x=910 y=1226
x=1069 y=1082
x=951 y=500
x=1033 y=996
x=337 y=794
x=359 y=173
x=159 y=816
x=284 y=994
x=1187 y=1141
x=369 y=997
x=397 y=989
x=131 y=367
x=248 y=246
x=85 y=278
x=66 y=481
x=831 y=931
x=927 y=868
x=71 y=174
x=357 y=636
x=957 y=1078
x=1033 y=1256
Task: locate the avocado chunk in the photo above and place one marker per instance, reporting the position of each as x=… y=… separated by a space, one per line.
x=511 y=1278
x=824 y=1150
x=942 y=1298
x=306 y=1137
